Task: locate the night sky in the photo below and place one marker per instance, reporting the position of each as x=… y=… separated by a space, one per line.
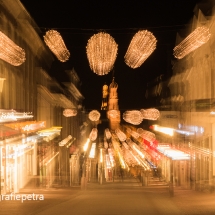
x=78 y=20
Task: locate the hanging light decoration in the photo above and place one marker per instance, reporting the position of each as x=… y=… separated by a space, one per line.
x=151 y=113
x=93 y=134
x=147 y=135
x=10 y=52
x=133 y=133
x=101 y=53
x=56 y=44
x=94 y=115
x=193 y=41
x=107 y=133
x=134 y=117
x=122 y=137
x=141 y=47
x=69 y=112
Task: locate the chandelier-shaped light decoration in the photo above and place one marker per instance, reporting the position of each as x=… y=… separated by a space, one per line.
x=193 y=41
x=147 y=135
x=101 y=53
x=69 y=112
x=94 y=115
x=108 y=133
x=10 y=52
x=122 y=137
x=56 y=44
x=141 y=47
x=133 y=133
x=93 y=134
x=151 y=113
x=134 y=117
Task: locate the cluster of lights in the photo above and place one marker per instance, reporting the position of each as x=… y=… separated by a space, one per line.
x=27 y=126
x=65 y=141
x=110 y=153
x=12 y=115
x=165 y=130
x=108 y=133
x=108 y=163
x=122 y=137
x=150 y=114
x=93 y=134
x=128 y=156
x=134 y=117
x=193 y=41
x=141 y=47
x=147 y=135
x=134 y=154
x=174 y=154
x=118 y=151
x=49 y=131
x=133 y=133
x=101 y=53
x=94 y=115
x=10 y=52
x=70 y=112
x=56 y=44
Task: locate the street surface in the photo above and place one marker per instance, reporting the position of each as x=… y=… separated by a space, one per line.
x=118 y=198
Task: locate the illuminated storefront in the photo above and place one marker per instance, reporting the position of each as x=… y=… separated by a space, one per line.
x=18 y=154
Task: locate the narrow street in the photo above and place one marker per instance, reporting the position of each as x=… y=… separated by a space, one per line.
x=127 y=197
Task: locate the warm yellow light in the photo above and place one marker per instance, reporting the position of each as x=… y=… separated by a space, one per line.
x=10 y=52
x=110 y=153
x=165 y=130
x=101 y=53
x=93 y=134
x=64 y=141
x=133 y=133
x=69 y=112
x=150 y=114
x=94 y=115
x=107 y=133
x=193 y=41
x=101 y=155
x=147 y=135
x=141 y=47
x=56 y=44
x=120 y=135
x=134 y=117
x=92 y=150
x=86 y=145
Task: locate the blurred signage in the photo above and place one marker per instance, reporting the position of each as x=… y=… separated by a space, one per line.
x=12 y=115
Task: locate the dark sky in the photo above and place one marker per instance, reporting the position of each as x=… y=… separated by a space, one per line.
x=78 y=20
